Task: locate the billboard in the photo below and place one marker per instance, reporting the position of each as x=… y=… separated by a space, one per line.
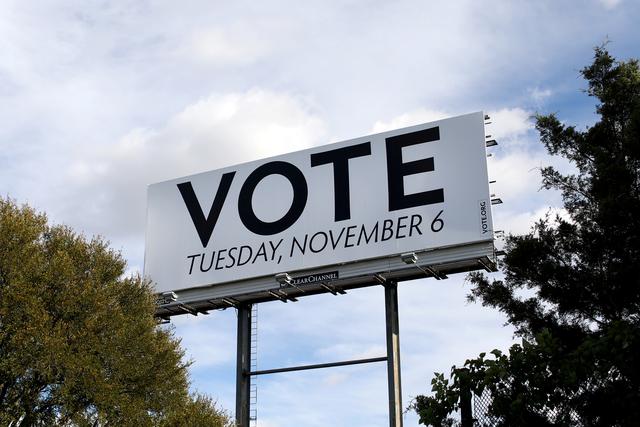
x=417 y=189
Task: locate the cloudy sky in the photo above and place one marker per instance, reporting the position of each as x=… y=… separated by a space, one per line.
x=98 y=99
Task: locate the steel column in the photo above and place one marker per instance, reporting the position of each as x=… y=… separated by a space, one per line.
x=393 y=353
x=243 y=379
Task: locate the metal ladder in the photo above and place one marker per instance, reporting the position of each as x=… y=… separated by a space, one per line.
x=253 y=392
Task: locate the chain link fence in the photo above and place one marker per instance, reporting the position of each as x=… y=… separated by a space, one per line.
x=481 y=417
x=474 y=411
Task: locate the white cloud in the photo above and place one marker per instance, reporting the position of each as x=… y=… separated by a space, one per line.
x=521 y=222
x=610 y=4
x=336 y=379
x=352 y=350
x=221 y=47
x=517 y=174
x=516 y=171
x=539 y=95
x=221 y=130
x=509 y=124
x=409 y=119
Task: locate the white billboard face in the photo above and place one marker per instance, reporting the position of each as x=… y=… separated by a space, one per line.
x=413 y=189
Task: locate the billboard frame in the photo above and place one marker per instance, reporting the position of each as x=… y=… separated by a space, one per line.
x=463 y=246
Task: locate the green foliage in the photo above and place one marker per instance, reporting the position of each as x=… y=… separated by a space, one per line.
x=580 y=326
x=78 y=342
x=197 y=411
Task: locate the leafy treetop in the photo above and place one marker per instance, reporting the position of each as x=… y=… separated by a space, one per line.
x=79 y=345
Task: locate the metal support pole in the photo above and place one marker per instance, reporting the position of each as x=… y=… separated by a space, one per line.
x=393 y=353
x=243 y=379
x=466 y=413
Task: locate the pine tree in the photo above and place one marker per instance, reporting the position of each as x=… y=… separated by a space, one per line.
x=571 y=286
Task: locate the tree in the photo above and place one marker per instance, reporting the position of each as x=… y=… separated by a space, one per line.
x=571 y=286
x=79 y=345
x=198 y=410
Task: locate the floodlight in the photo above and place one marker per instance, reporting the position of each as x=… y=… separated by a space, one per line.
x=380 y=278
x=438 y=275
x=189 y=309
x=485 y=265
x=491 y=142
x=278 y=296
x=230 y=302
x=496 y=201
x=283 y=278
x=409 y=258
x=281 y=295
x=332 y=289
x=170 y=296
